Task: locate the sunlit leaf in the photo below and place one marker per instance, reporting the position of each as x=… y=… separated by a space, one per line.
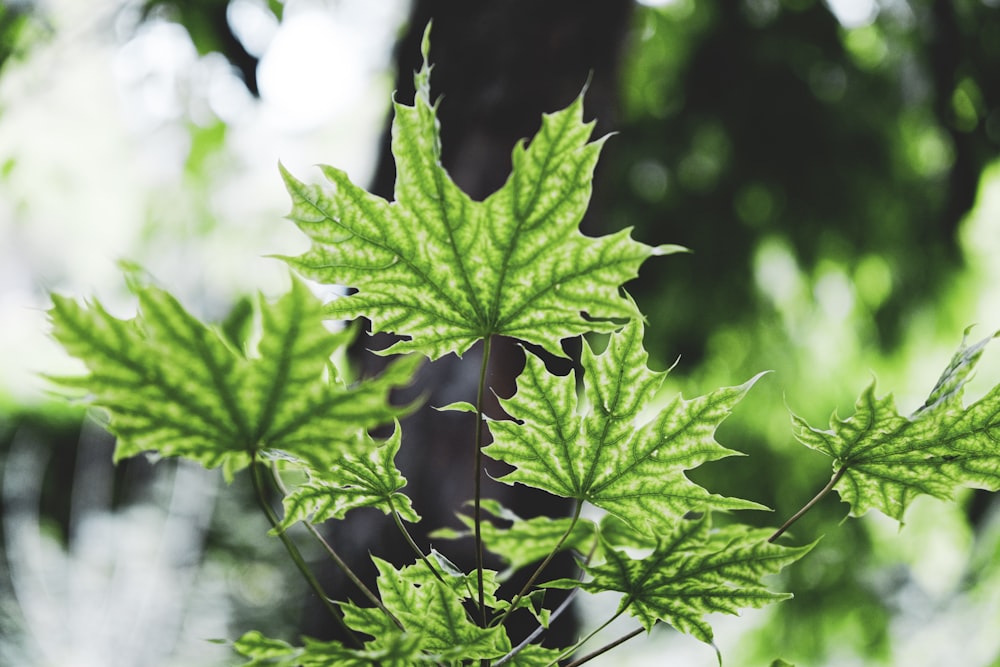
x=602 y=451
x=883 y=460
x=368 y=478
x=395 y=651
x=430 y=611
x=444 y=270
x=177 y=387
x=692 y=571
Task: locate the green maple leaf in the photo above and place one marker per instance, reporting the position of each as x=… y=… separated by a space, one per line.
x=431 y=611
x=177 y=387
x=396 y=651
x=883 y=460
x=445 y=270
x=368 y=478
x=692 y=571
x=601 y=452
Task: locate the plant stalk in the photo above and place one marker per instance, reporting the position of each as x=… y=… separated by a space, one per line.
x=477 y=512
x=571 y=650
x=809 y=505
x=344 y=567
x=548 y=559
x=295 y=554
x=413 y=545
x=607 y=647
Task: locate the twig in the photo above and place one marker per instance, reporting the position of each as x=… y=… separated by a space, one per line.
x=809 y=505
x=344 y=567
x=477 y=513
x=548 y=559
x=294 y=552
x=413 y=545
x=607 y=647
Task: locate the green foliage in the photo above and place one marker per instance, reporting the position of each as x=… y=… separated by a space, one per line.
x=177 y=387
x=367 y=479
x=448 y=272
x=604 y=453
x=691 y=571
x=883 y=460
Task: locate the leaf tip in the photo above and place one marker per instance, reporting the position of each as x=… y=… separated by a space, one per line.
x=670 y=249
x=425 y=41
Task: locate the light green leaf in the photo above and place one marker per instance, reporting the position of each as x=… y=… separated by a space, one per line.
x=363 y=479
x=525 y=541
x=266 y=652
x=397 y=650
x=534 y=655
x=947 y=392
x=431 y=611
x=176 y=387
x=444 y=270
x=601 y=452
x=883 y=460
x=692 y=571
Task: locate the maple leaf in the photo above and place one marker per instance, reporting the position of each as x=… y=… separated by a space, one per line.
x=430 y=610
x=177 y=387
x=691 y=571
x=602 y=453
x=397 y=651
x=368 y=478
x=445 y=270
x=883 y=460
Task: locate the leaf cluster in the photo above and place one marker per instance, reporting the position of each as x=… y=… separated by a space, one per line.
x=444 y=272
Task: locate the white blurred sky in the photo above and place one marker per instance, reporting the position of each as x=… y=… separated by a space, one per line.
x=96 y=120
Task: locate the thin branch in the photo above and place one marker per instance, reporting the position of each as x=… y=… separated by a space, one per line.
x=573 y=649
x=607 y=647
x=556 y=613
x=344 y=567
x=413 y=545
x=479 y=477
x=294 y=552
x=809 y=505
x=548 y=559
x=552 y=617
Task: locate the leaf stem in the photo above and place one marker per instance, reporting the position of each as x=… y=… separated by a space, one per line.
x=572 y=649
x=809 y=505
x=552 y=617
x=607 y=647
x=548 y=559
x=294 y=553
x=477 y=513
x=344 y=567
x=556 y=613
x=413 y=545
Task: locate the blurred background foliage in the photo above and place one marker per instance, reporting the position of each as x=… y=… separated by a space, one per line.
x=833 y=166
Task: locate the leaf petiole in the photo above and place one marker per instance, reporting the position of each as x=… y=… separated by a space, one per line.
x=607 y=647
x=294 y=553
x=413 y=545
x=573 y=649
x=344 y=567
x=809 y=505
x=548 y=559
x=477 y=513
